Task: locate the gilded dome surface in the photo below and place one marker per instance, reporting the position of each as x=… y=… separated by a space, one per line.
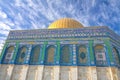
x=65 y=23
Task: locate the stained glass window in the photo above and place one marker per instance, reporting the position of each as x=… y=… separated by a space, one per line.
x=50 y=51
x=35 y=54
x=65 y=54
x=21 y=54
x=100 y=55
x=116 y=55
x=8 y=54
x=82 y=54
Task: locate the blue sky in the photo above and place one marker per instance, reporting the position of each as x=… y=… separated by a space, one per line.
x=36 y=14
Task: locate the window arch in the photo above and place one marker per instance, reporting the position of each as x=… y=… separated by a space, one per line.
x=65 y=54
x=116 y=55
x=100 y=55
x=35 y=54
x=82 y=54
x=21 y=55
x=8 y=54
x=50 y=52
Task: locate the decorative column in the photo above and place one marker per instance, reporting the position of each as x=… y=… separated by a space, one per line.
x=109 y=51
x=74 y=61
x=43 y=53
x=15 y=53
x=92 y=58
x=91 y=53
x=57 y=59
x=27 y=58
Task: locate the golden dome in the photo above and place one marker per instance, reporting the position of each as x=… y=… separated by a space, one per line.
x=65 y=23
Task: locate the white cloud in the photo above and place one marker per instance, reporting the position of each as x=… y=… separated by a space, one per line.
x=34 y=25
x=30 y=3
x=4 y=32
x=36 y=14
x=2 y=14
x=8 y=22
x=20 y=18
x=4 y=26
x=18 y=3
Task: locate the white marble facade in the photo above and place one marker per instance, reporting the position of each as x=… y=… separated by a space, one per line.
x=35 y=72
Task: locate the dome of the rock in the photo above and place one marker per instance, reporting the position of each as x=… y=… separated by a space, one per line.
x=65 y=23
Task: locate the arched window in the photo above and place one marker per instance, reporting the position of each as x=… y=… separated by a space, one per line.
x=82 y=54
x=21 y=55
x=116 y=55
x=65 y=54
x=8 y=54
x=50 y=51
x=35 y=54
x=100 y=55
